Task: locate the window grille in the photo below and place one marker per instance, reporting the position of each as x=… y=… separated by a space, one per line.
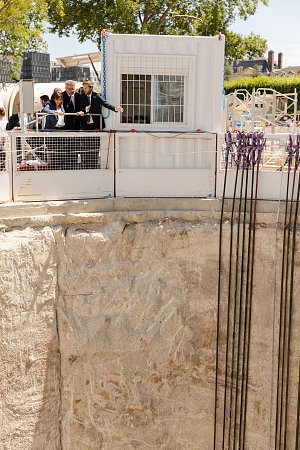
x=155 y=89
x=136 y=98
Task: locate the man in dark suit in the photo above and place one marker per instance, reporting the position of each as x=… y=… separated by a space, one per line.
x=93 y=103
x=13 y=122
x=72 y=103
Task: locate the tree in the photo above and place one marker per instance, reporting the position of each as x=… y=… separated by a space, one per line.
x=190 y=17
x=21 y=25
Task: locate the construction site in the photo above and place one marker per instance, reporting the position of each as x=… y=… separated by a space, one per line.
x=150 y=273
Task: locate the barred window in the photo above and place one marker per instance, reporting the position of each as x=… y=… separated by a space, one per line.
x=152 y=98
x=136 y=98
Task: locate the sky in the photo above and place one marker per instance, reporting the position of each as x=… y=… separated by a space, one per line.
x=278 y=23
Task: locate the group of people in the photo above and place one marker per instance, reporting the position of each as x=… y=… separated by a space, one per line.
x=68 y=110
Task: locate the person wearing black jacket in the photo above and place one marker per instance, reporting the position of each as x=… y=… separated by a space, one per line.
x=93 y=103
x=72 y=103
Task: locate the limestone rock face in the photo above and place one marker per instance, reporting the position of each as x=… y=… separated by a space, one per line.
x=30 y=376
x=137 y=335
x=108 y=332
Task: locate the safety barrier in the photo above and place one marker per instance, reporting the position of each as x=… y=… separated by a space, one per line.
x=76 y=165
x=5 y=168
x=59 y=165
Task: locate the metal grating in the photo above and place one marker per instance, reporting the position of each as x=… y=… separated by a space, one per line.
x=154 y=89
x=5 y=153
x=52 y=151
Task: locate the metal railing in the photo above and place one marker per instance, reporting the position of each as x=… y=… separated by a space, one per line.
x=39 y=120
x=64 y=165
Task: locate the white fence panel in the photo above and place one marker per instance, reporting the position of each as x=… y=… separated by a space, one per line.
x=272 y=179
x=165 y=164
x=62 y=165
x=5 y=168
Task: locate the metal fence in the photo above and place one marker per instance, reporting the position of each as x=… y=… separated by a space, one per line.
x=5 y=168
x=59 y=151
x=77 y=165
x=62 y=165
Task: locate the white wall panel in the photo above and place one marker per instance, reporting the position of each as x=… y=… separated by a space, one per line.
x=165 y=165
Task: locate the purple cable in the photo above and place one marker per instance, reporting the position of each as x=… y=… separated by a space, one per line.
x=229 y=145
x=297 y=149
x=290 y=150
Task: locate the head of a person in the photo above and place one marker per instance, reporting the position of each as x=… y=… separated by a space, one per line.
x=2 y=113
x=44 y=99
x=56 y=99
x=70 y=87
x=87 y=87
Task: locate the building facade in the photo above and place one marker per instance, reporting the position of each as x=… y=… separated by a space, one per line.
x=5 y=71
x=36 y=66
x=76 y=73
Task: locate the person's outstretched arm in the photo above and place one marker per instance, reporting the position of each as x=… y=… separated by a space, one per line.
x=107 y=105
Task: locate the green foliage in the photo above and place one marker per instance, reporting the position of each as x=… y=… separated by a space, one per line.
x=186 y=17
x=228 y=72
x=21 y=25
x=284 y=85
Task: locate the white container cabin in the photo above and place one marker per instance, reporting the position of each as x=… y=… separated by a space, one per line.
x=164 y=83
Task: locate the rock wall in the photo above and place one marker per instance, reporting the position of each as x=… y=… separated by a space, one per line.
x=29 y=350
x=108 y=330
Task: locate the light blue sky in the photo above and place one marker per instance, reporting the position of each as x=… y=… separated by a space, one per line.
x=278 y=23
